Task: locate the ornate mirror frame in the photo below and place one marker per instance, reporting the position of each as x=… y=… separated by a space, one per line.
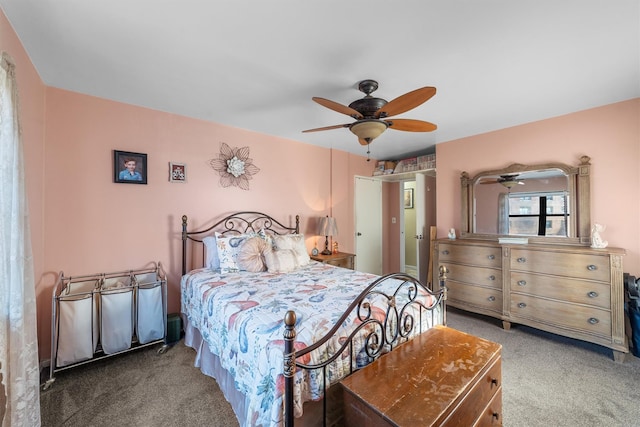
x=579 y=202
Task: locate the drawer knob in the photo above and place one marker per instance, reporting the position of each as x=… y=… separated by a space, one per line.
x=496 y=415
x=522 y=259
x=491 y=298
x=522 y=305
x=522 y=282
x=494 y=381
x=492 y=256
x=492 y=277
x=593 y=321
x=592 y=267
x=445 y=252
x=592 y=294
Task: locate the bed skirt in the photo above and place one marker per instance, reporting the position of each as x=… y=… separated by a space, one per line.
x=209 y=365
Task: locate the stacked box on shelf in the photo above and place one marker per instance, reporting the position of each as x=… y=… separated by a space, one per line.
x=389 y=167
x=427 y=161
x=410 y=164
x=384 y=167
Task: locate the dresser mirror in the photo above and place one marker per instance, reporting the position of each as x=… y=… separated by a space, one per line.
x=545 y=203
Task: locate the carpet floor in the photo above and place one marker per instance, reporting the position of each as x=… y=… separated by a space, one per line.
x=548 y=380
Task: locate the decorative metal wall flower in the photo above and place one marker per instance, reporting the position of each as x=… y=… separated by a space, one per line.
x=235 y=166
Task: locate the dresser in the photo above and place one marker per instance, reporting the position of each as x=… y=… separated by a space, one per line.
x=341 y=259
x=443 y=377
x=574 y=291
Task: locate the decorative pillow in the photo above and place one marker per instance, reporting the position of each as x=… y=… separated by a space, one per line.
x=294 y=242
x=250 y=257
x=212 y=261
x=280 y=260
x=228 y=250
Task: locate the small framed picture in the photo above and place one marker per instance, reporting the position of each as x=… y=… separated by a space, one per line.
x=177 y=172
x=408 y=198
x=129 y=168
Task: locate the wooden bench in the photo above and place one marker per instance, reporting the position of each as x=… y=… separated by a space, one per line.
x=443 y=377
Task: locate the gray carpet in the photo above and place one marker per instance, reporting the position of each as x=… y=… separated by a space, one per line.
x=547 y=381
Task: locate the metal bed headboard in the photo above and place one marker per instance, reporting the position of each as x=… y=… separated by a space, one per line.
x=235 y=223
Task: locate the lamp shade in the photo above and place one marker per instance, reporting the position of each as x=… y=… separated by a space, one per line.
x=328 y=226
x=368 y=130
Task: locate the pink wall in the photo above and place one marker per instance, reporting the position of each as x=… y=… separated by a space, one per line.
x=610 y=135
x=95 y=225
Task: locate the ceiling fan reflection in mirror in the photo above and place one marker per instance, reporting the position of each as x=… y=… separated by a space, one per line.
x=509 y=181
x=372 y=114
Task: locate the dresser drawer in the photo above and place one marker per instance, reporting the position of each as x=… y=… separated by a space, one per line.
x=485 y=256
x=475 y=402
x=341 y=259
x=475 y=275
x=486 y=298
x=492 y=414
x=562 y=288
x=584 y=266
x=589 y=320
x=342 y=262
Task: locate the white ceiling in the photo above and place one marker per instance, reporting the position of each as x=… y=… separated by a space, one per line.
x=256 y=64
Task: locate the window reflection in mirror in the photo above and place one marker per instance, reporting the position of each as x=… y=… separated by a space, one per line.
x=536 y=214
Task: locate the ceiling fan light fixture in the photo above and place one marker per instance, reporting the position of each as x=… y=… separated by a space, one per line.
x=368 y=130
x=509 y=183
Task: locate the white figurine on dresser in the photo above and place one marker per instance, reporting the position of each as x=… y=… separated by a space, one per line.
x=597 y=242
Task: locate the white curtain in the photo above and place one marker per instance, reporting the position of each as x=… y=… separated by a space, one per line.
x=18 y=337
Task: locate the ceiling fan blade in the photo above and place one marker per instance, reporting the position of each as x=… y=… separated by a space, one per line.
x=406 y=102
x=363 y=141
x=411 y=125
x=327 y=128
x=338 y=107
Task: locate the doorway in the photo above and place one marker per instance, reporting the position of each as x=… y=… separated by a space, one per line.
x=417 y=214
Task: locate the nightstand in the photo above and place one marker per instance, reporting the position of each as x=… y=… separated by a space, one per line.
x=341 y=259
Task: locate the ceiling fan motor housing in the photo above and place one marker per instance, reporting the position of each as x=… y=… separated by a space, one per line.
x=368 y=105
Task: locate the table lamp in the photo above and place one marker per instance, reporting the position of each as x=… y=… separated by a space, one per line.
x=327 y=227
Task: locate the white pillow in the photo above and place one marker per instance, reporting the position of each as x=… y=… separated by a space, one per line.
x=280 y=260
x=294 y=242
x=212 y=260
x=228 y=250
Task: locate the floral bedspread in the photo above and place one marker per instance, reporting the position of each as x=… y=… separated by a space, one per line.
x=240 y=316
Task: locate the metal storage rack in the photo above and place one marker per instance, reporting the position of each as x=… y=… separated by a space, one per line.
x=102 y=315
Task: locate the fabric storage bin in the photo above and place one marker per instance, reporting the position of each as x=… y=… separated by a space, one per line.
x=150 y=323
x=78 y=331
x=116 y=314
x=174 y=328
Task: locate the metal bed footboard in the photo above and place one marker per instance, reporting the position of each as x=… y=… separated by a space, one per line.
x=380 y=335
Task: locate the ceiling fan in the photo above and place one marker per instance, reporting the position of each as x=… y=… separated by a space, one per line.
x=509 y=180
x=372 y=114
